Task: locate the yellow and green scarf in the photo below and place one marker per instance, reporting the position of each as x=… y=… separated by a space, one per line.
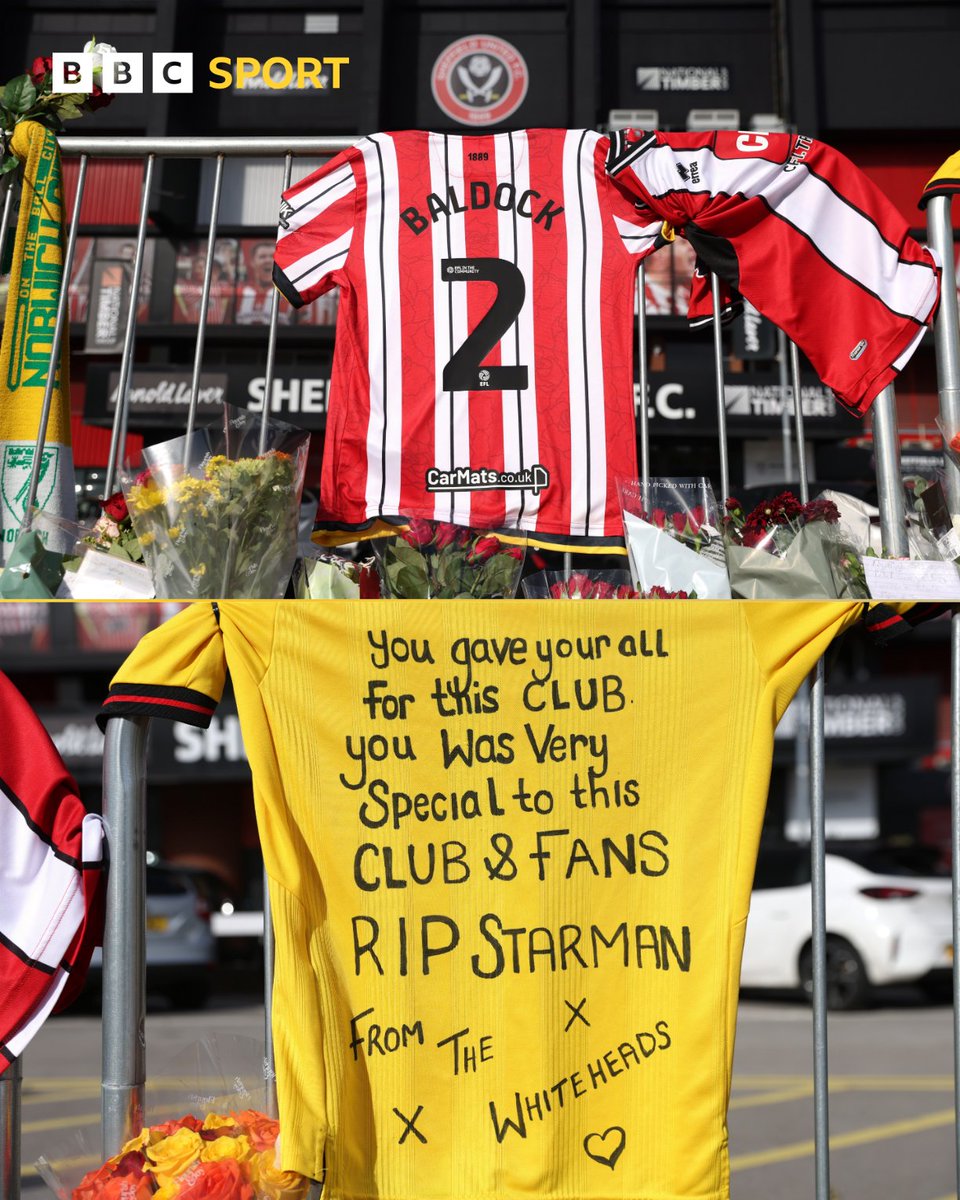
x=30 y=315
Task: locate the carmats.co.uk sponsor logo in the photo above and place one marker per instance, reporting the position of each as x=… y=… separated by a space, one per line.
x=485 y=479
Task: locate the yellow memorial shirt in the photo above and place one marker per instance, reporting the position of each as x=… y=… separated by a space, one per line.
x=510 y=850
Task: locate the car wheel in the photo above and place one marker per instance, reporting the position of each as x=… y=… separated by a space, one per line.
x=847 y=984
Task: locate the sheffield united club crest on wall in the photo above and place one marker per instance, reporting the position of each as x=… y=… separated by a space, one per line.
x=479 y=80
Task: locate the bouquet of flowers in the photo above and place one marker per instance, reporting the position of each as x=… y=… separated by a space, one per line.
x=579 y=585
x=329 y=576
x=113 y=530
x=673 y=536
x=56 y=558
x=215 y=517
x=30 y=97
x=231 y=1152
x=232 y=1155
x=434 y=560
x=785 y=550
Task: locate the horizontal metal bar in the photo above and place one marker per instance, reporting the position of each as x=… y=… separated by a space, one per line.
x=202 y=147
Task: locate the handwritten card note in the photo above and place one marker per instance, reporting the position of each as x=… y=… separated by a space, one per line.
x=899 y=579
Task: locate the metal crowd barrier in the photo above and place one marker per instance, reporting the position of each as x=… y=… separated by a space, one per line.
x=124 y=782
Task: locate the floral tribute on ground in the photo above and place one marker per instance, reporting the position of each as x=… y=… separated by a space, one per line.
x=226 y=1156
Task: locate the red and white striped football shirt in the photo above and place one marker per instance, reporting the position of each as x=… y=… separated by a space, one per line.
x=483 y=371
x=52 y=878
x=800 y=231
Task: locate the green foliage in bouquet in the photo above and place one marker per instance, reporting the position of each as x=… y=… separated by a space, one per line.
x=439 y=561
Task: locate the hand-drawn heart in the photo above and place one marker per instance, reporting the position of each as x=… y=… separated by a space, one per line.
x=611 y=1142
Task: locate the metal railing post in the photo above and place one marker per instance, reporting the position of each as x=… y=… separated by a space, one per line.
x=946 y=336
x=118 y=435
x=818 y=890
x=272 y=338
x=10 y=1081
x=204 y=299
x=721 y=398
x=124 y=941
x=886 y=451
x=643 y=413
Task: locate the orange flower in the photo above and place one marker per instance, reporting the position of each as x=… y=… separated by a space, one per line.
x=93 y=1183
x=127 y=1187
x=223 y=1180
x=261 y=1129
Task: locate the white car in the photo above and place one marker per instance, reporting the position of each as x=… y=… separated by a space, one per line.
x=887 y=922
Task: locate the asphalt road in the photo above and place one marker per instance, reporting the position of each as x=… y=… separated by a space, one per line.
x=891 y=1098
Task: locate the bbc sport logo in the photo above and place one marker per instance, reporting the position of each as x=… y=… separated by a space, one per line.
x=123 y=71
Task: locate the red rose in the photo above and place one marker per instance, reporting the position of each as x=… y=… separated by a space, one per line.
x=625 y=592
x=514 y=552
x=446 y=535
x=419 y=533
x=483 y=548
x=98 y=98
x=733 y=505
x=220 y=1180
x=679 y=521
x=171 y=1127
x=41 y=66
x=602 y=590
x=115 y=506
x=658 y=517
x=697 y=518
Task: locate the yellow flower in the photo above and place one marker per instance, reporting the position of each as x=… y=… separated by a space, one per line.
x=172 y=1155
x=219 y=1121
x=145 y=497
x=136 y=1143
x=226 y=1147
x=198 y=571
x=174 y=531
x=274 y=1184
x=147 y=539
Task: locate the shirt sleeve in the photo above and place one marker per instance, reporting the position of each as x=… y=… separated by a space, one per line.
x=944 y=182
x=177 y=671
x=51 y=878
x=803 y=234
x=317 y=219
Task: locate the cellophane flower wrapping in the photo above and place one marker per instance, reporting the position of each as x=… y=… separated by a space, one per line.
x=927 y=501
x=329 y=576
x=579 y=585
x=215 y=517
x=674 y=538
x=209 y=1138
x=951 y=442
x=434 y=560
x=786 y=550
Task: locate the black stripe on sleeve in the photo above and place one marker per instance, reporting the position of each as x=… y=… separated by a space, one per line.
x=156 y=700
x=286 y=288
x=17 y=952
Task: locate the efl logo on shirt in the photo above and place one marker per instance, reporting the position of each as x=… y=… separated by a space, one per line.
x=479 y=80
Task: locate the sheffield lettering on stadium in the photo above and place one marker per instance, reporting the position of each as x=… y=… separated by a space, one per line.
x=479 y=195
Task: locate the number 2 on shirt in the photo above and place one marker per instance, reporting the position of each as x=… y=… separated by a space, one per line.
x=463 y=373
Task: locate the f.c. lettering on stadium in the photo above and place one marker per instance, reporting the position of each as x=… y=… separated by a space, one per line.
x=124 y=71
